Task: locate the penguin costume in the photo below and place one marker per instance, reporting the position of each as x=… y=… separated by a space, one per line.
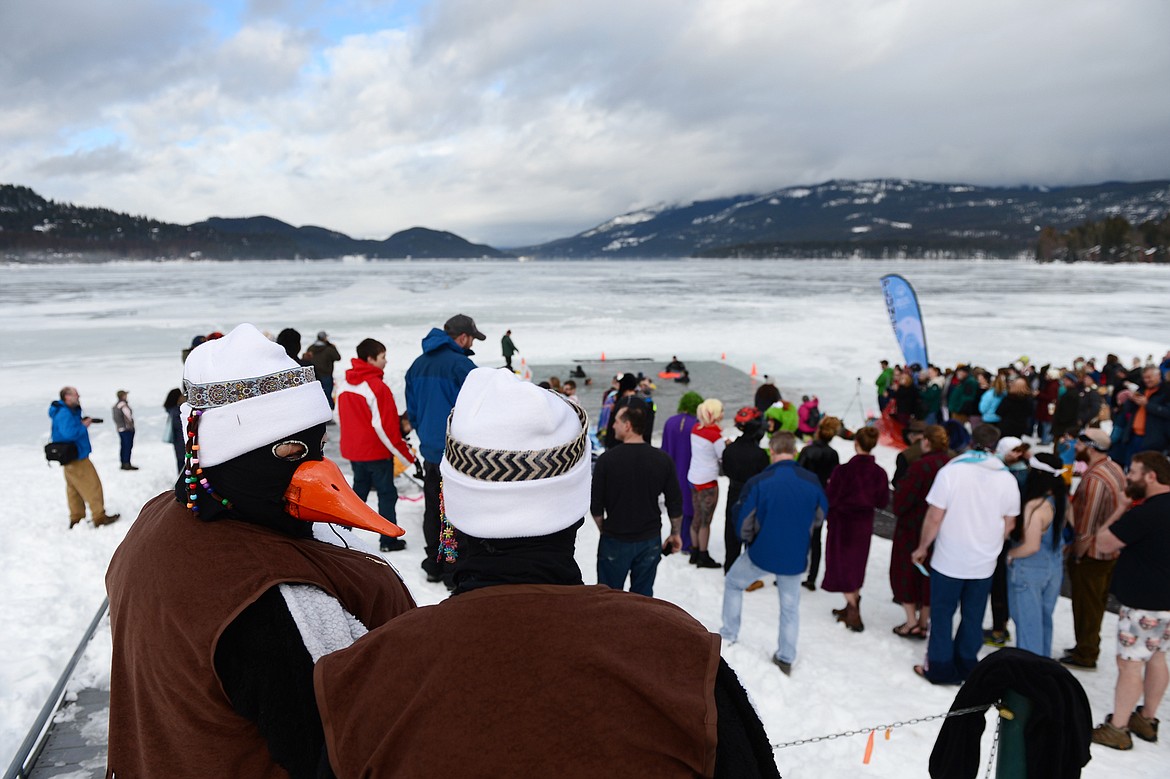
x=221 y=599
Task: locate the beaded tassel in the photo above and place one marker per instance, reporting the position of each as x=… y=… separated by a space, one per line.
x=193 y=473
x=448 y=548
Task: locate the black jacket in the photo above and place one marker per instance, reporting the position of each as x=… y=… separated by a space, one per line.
x=1058 y=730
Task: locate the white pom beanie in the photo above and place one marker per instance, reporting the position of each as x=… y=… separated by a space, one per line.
x=516 y=462
x=251 y=393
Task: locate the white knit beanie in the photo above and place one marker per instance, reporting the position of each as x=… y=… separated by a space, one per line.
x=251 y=394
x=516 y=462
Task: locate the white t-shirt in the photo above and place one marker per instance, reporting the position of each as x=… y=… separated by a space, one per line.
x=976 y=497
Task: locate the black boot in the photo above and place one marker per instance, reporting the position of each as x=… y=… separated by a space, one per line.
x=705 y=561
x=694 y=556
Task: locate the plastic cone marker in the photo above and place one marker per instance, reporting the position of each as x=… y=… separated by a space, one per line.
x=319 y=493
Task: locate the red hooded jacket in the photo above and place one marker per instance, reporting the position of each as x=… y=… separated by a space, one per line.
x=369 y=417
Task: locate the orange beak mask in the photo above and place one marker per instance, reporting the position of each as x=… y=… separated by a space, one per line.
x=319 y=492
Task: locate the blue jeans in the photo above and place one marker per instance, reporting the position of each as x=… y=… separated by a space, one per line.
x=1045 y=432
x=639 y=559
x=327 y=386
x=1033 y=587
x=743 y=573
x=378 y=474
x=951 y=656
x=127 y=438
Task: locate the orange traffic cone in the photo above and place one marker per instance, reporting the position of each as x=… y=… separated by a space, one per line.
x=754 y=373
x=603 y=356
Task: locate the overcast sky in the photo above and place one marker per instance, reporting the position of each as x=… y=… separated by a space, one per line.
x=513 y=122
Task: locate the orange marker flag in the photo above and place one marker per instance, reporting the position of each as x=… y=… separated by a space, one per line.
x=603 y=356
x=868 y=749
x=754 y=373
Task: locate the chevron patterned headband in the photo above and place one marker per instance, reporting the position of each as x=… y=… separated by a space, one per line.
x=502 y=465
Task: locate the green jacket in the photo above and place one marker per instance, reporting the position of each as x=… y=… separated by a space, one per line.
x=782 y=416
x=964 y=394
x=883 y=381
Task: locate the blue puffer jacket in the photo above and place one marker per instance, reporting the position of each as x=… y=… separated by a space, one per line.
x=432 y=384
x=67 y=426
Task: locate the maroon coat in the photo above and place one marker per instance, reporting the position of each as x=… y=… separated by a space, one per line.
x=856 y=489
x=907 y=582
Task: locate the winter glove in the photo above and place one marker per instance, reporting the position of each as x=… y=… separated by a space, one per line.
x=418 y=470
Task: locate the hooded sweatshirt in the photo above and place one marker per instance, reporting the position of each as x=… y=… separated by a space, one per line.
x=369 y=417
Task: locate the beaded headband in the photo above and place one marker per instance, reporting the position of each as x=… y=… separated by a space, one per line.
x=502 y=465
x=221 y=393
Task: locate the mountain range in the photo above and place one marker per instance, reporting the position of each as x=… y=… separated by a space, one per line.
x=874 y=218
x=32 y=228
x=840 y=218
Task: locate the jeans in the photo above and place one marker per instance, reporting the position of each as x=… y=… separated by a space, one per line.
x=1034 y=586
x=639 y=559
x=1045 y=432
x=743 y=573
x=951 y=656
x=127 y=439
x=378 y=474
x=327 y=386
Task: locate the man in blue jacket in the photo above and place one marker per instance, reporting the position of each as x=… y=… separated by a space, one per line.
x=82 y=484
x=432 y=384
x=775 y=516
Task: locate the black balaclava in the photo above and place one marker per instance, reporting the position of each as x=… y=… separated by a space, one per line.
x=484 y=562
x=255 y=483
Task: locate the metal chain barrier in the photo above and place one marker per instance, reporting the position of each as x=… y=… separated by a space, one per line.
x=891 y=726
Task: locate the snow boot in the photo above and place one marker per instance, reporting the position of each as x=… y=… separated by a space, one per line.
x=705 y=561
x=852 y=618
x=1112 y=737
x=1145 y=729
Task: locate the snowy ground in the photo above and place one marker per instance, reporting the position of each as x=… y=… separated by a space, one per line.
x=121 y=327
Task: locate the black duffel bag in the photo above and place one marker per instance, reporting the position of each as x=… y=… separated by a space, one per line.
x=63 y=452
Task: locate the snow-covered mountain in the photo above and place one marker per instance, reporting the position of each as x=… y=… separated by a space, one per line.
x=875 y=218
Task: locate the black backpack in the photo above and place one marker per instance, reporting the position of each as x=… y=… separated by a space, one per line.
x=63 y=452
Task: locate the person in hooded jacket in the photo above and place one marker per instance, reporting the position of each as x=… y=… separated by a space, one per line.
x=742 y=459
x=371 y=434
x=538 y=674
x=432 y=384
x=221 y=598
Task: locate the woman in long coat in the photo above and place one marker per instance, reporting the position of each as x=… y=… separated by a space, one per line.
x=910 y=586
x=856 y=489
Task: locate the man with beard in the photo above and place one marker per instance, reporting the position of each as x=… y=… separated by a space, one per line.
x=221 y=599
x=1141 y=582
x=1099 y=495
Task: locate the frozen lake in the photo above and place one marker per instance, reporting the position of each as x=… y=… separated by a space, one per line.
x=814 y=326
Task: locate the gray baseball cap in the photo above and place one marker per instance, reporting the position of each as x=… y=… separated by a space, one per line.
x=460 y=324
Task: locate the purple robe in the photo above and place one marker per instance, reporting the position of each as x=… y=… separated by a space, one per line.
x=856 y=489
x=676 y=441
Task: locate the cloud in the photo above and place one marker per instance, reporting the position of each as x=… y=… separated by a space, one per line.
x=515 y=122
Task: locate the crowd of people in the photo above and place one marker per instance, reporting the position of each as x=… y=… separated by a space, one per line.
x=315 y=646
